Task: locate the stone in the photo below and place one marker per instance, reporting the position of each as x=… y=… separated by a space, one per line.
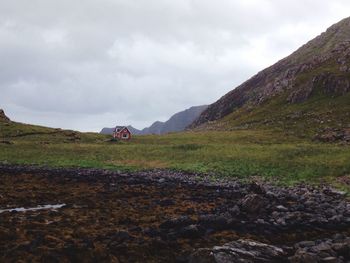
x=253 y=203
x=240 y=251
x=281 y=221
x=281 y=208
x=321 y=247
x=261 y=221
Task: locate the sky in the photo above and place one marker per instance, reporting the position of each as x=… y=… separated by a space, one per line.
x=90 y=64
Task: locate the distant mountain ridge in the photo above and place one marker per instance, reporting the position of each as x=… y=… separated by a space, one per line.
x=309 y=88
x=178 y=122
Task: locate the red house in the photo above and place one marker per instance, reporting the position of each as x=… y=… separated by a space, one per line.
x=122 y=133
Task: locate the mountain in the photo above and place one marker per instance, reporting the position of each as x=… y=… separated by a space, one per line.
x=155 y=128
x=176 y=123
x=307 y=90
x=107 y=131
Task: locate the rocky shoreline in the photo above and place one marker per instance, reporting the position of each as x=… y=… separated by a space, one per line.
x=157 y=216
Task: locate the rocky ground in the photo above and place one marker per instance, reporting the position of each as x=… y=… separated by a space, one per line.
x=163 y=216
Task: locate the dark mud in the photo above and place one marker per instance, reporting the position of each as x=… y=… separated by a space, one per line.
x=161 y=216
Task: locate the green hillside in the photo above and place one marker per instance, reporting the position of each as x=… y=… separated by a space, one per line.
x=11 y=132
x=316 y=116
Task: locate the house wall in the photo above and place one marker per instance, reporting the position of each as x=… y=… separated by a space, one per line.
x=120 y=135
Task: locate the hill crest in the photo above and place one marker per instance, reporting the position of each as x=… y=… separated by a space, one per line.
x=320 y=66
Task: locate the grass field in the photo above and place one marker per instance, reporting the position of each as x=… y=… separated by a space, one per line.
x=242 y=153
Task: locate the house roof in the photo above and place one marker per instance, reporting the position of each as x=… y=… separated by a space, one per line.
x=121 y=128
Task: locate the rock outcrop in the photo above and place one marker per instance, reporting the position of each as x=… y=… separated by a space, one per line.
x=335 y=249
x=331 y=250
x=240 y=251
x=3 y=117
x=334 y=135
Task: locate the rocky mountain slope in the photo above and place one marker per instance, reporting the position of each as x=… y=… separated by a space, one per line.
x=176 y=123
x=313 y=82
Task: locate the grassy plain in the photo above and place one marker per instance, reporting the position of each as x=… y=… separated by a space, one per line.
x=273 y=155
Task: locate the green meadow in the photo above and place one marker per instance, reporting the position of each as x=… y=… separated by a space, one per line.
x=243 y=154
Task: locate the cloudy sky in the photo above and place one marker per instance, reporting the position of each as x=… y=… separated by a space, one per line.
x=90 y=64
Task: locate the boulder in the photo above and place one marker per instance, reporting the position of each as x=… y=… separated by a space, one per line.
x=252 y=203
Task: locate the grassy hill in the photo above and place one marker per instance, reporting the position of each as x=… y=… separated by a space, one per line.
x=316 y=116
x=11 y=132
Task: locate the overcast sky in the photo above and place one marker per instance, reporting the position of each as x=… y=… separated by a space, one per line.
x=90 y=64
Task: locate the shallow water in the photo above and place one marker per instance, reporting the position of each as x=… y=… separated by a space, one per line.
x=40 y=207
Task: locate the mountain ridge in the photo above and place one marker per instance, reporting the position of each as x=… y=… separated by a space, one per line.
x=321 y=66
x=176 y=123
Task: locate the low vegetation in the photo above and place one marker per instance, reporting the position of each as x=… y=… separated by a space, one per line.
x=303 y=119
x=274 y=155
